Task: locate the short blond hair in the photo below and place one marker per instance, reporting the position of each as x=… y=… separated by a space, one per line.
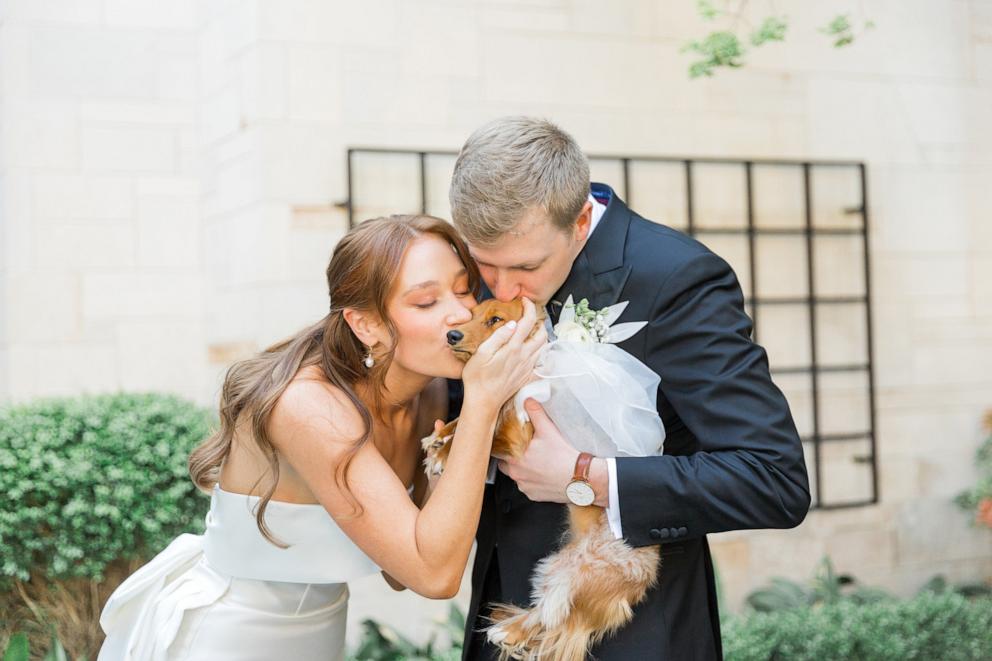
x=511 y=165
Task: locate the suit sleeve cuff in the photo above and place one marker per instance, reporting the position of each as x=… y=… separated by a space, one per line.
x=613 y=510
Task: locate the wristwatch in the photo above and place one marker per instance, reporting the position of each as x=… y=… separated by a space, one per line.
x=579 y=490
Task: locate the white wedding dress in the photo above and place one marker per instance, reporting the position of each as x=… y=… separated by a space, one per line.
x=231 y=594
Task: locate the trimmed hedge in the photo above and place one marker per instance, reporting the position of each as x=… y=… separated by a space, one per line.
x=946 y=626
x=93 y=479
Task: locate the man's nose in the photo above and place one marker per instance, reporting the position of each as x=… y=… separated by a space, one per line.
x=454 y=337
x=506 y=292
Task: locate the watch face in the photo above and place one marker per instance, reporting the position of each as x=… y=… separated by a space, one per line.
x=580 y=493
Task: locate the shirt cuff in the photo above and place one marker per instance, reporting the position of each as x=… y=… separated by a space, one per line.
x=613 y=510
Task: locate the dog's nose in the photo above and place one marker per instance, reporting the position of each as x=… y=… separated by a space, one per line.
x=454 y=337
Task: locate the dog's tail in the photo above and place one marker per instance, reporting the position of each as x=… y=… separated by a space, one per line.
x=565 y=643
x=518 y=634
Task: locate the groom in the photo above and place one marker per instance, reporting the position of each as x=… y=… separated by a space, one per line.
x=521 y=197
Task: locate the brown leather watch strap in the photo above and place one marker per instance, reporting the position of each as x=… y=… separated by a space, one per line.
x=582 y=464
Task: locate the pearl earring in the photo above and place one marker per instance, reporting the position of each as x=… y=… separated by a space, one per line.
x=369 y=360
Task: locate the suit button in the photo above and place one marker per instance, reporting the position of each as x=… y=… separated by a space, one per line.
x=682 y=531
x=654 y=533
x=659 y=533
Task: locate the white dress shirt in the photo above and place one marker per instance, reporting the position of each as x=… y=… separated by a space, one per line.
x=613 y=510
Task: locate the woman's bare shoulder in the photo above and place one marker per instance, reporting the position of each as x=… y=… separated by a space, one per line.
x=311 y=403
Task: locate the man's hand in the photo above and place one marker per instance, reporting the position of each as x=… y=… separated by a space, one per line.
x=547 y=467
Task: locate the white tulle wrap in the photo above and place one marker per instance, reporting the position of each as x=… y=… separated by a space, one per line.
x=601 y=398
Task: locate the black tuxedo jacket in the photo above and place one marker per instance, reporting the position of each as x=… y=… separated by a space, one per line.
x=732 y=457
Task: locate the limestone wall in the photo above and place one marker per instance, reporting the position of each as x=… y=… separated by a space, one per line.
x=170 y=180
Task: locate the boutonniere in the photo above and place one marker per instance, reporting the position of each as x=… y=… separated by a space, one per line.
x=580 y=323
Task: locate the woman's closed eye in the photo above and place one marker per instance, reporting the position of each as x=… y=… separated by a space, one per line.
x=429 y=304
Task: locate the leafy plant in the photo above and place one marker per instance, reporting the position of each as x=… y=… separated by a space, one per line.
x=978 y=499
x=824 y=621
x=93 y=479
x=929 y=626
x=381 y=642
x=18 y=649
x=842 y=30
x=718 y=49
x=939 y=585
x=826 y=587
x=724 y=47
x=94 y=486
x=771 y=29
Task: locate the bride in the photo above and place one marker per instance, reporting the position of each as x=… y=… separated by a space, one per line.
x=314 y=473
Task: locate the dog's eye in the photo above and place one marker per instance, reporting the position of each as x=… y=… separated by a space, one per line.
x=492 y=321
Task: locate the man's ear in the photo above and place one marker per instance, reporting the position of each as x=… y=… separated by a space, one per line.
x=366 y=326
x=583 y=223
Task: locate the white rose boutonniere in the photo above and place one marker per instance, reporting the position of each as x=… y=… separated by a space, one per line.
x=572 y=331
x=580 y=323
x=601 y=397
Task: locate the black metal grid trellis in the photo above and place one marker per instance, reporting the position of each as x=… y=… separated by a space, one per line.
x=805 y=233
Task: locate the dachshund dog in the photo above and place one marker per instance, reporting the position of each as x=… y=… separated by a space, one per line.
x=588 y=588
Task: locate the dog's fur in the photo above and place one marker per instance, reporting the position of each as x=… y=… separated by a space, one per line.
x=589 y=587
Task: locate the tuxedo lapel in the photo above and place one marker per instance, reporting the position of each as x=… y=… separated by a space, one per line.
x=599 y=273
x=579 y=284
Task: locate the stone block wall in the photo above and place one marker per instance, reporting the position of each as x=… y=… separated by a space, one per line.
x=170 y=180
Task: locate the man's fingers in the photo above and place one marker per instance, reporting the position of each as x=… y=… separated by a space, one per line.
x=538 y=416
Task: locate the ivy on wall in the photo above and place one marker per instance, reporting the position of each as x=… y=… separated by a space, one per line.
x=740 y=30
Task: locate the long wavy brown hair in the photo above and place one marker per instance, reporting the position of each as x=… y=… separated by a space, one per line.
x=361 y=275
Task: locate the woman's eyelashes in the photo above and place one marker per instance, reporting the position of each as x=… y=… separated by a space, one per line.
x=430 y=304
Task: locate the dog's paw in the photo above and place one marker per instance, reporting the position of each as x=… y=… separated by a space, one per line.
x=515 y=631
x=436 y=449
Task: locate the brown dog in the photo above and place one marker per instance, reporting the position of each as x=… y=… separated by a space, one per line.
x=588 y=588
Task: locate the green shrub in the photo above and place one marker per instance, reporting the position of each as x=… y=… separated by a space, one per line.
x=945 y=626
x=18 y=649
x=826 y=587
x=93 y=479
x=381 y=642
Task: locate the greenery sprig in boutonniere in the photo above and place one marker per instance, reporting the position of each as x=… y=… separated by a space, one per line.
x=580 y=323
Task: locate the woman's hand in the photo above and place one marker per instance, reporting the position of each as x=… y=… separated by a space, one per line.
x=505 y=362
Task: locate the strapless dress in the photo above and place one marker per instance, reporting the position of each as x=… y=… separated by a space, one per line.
x=231 y=594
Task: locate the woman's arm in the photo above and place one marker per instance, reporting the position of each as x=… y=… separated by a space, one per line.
x=434 y=407
x=425 y=550
x=313 y=426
